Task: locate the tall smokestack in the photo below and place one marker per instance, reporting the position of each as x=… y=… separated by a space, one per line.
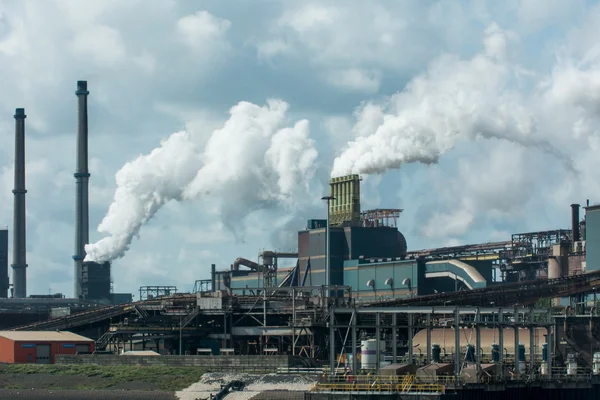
x=82 y=177
x=19 y=242
x=575 y=222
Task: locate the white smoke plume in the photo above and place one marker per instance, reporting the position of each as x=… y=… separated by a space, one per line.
x=453 y=101
x=252 y=162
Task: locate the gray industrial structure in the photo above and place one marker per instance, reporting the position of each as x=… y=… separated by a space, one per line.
x=19 y=264
x=82 y=176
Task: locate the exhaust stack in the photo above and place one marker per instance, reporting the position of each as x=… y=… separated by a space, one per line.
x=575 y=222
x=82 y=177
x=19 y=238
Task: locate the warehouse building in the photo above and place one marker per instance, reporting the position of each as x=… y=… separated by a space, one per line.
x=40 y=347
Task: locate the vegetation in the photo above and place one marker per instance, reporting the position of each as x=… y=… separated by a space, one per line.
x=82 y=376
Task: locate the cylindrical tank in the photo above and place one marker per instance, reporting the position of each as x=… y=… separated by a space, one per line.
x=553 y=267
x=495 y=353
x=521 y=357
x=571 y=364
x=596 y=364
x=521 y=352
x=470 y=353
x=369 y=354
x=436 y=353
x=545 y=352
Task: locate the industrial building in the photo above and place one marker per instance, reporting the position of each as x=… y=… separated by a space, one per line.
x=358 y=299
x=40 y=347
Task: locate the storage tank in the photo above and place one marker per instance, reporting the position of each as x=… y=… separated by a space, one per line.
x=436 y=353
x=544 y=366
x=495 y=353
x=470 y=357
x=571 y=364
x=369 y=354
x=521 y=355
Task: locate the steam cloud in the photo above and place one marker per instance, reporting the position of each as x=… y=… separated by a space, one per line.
x=455 y=100
x=251 y=162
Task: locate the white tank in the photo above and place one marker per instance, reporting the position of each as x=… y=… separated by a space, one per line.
x=596 y=363
x=544 y=368
x=571 y=364
x=369 y=354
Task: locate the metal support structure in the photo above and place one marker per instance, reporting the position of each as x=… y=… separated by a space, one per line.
x=327 y=249
x=82 y=177
x=501 y=341
x=551 y=342
x=410 y=338
x=457 y=360
x=394 y=339
x=516 y=317
x=428 y=323
x=353 y=328
x=478 y=344
x=332 y=342
x=180 y=336
x=378 y=337
x=531 y=346
x=19 y=265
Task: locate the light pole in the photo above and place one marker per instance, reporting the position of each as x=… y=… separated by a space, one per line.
x=327 y=271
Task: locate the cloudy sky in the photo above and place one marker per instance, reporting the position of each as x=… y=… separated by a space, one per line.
x=215 y=125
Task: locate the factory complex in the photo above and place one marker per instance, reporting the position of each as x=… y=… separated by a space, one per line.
x=374 y=316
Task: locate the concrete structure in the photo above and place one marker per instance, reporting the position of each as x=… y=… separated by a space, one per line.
x=4 y=263
x=82 y=177
x=40 y=347
x=19 y=228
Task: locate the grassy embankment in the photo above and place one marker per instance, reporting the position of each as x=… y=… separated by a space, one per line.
x=89 y=377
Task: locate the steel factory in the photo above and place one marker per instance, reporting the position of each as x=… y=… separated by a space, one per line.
x=372 y=315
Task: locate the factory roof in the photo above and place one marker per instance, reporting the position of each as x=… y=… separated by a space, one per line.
x=43 y=336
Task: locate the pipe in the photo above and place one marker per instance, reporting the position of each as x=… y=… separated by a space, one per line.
x=575 y=222
x=4 y=263
x=82 y=177
x=19 y=228
x=213 y=277
x=247 y=263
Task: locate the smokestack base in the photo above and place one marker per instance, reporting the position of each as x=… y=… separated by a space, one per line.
x=82 y=88
x=20 y=113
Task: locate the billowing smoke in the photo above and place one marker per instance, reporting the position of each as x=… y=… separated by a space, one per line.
x=252 y=162
x=454 y=100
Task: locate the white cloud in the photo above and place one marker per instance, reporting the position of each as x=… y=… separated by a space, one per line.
x=355 y=79
x=202 y=29
x=102 y=43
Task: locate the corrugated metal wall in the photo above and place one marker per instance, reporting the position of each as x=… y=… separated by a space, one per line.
x=592 y=236
x=357 y=275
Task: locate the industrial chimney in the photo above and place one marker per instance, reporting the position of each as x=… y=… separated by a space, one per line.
x=19 y=242
x=575 y=222
x=82 y=177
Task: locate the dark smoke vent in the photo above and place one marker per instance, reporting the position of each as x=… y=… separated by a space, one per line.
x=575 y=222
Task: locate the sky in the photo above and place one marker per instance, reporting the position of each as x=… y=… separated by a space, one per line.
x=214 y=126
